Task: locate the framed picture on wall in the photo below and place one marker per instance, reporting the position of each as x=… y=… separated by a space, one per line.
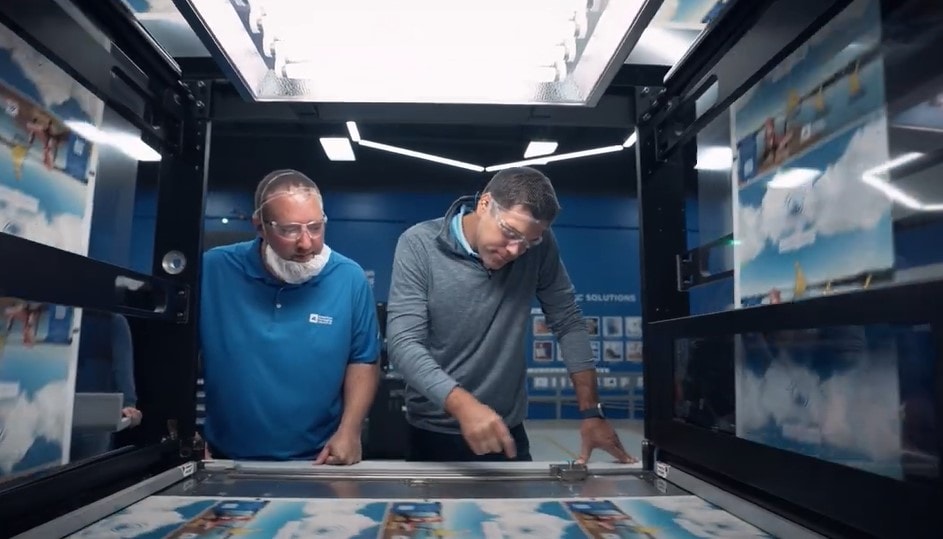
x=541 y=329
x=633 y=351
x=633 y=327
x=612 y=350
x=592 y=325
x=543 y=351
x=595 y=346
x=612 y=326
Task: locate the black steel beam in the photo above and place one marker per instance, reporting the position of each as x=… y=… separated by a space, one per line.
x=34 y=271
x=114 y=74
x=901 y=303
x=612 y=111
x=167 y=354
x=662 y=235
x=27 y=504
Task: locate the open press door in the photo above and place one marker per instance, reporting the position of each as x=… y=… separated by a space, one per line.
x=77 y=82
x=792 y=360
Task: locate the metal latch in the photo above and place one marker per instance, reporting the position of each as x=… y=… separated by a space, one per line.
x=571 y=471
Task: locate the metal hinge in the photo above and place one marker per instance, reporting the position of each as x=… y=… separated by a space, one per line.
x=661 y=470
x=571 y=471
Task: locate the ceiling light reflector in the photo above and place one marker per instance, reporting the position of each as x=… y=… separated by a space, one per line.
x=540 y=147
x=338 y=149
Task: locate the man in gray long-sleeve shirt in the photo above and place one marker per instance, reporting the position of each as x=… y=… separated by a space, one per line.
x=459 y=307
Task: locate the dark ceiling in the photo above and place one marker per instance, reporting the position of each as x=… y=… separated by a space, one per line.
x=242 y=153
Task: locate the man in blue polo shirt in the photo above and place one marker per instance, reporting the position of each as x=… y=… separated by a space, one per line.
x=289 y=336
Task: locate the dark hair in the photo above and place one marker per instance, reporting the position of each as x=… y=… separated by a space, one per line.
x=281 y=180
x=527 y=187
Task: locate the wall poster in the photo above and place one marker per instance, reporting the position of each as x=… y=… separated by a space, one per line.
x=47 y=173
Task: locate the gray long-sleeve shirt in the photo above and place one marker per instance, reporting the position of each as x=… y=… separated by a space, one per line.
x=450 y=321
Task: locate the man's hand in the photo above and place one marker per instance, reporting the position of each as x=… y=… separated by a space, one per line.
x=485 y=431
x=598 y=433
x=342 y=449
x=133 y=413
x=482 y=428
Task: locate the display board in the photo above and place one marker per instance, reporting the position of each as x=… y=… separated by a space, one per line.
x=47 y=173
x=811 y=146
x=175 y=517
x=607 y=291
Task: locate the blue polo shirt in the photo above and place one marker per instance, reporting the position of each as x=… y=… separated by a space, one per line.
x=275 y=354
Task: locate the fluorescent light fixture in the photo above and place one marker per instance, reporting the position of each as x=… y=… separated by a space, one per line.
x=558 y=157
x=792 y=178
x=552 y=51
x=540 y=147
x=353 y=131
x=421 y=155
x=630 y=140
x=130 y=145
x=714 y=158
x=338 y=148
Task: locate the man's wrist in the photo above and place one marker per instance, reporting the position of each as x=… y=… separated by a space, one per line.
x=350 y=427
x=594 y=411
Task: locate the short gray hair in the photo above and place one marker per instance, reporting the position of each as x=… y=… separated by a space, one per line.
x=527 y=187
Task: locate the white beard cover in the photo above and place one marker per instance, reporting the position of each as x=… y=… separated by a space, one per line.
x=296 y=272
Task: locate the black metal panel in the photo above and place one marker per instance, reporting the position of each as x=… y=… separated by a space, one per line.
x=912 y=303
x=25 y=505
x=91 y=284
x=611 y=111
x=747 y=41
x=662 y=232
x=116 y=20
x=816 y=493
x=167 y=354
x=115 y=75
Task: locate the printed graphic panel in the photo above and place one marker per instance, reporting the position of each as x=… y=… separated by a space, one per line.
x=47 y=172
x=200 y=518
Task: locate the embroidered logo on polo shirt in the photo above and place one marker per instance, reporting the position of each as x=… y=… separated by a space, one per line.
x=320 y=319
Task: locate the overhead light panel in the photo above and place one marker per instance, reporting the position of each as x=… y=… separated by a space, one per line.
x=421 y=155
x=338 y=148
x=353 y=131
x=540 y=147
x=558 y=157
x=550 y=51
x=630 y=140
